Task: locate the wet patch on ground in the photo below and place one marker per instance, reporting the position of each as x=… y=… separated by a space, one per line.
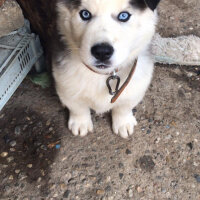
x=28 y=146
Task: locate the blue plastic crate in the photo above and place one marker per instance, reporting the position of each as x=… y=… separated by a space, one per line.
x=19 y=51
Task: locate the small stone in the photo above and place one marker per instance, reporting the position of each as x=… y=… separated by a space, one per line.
x=150 y=120
x=84 y=181
x=108 y=188
x=100 y=192
x=40 y=155
x=29 y=166
x=28 y=118
x=63 y=159
x=21 y=176
x=42 y=172
x=39 y=179
x=2 y=116
x=66 y=194
x=139 y=190
x=6 y=187
x=168 y=137
x=43 y=147
x=51 y=129
x=4 y=154
x=163 y=190
x=157 y=140
x=55 y=195
x=13 y=143
x=108 y=179
x=128 y=152
x=148 y=131
x=14 y=164
x=173 y=123
x=17 y=130
x=71 y=180
x=173 y=184
x=190 y=145
x=197 y=177
x=130 y=193
x=10 y=159
x=11 y=177
x=6 y=139
x=24 y=127
x=12 y=149
x=17 y=171
x=121 y=165
x=37 y=143
x=48 y=122
x=63 y=186
x=121 y=175
x=67 y=177
x=22 y=185
x=146 y=163
x=39 y=186
x=52 y=186
x=100 y=181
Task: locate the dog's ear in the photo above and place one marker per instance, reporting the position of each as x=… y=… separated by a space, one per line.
x=152 y=4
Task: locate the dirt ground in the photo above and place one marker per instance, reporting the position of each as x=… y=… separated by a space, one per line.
x=40 y=159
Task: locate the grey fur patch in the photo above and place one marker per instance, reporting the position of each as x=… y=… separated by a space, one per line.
x=143 y=4
x=139 y=4
x=59 y=48
x=152 y=4
x=72 y=4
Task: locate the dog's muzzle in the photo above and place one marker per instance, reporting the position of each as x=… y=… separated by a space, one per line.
x=102 y=52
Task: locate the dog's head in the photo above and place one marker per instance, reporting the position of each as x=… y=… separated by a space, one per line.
x=107 y=34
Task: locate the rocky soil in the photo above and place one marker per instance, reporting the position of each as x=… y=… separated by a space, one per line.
x=40 y=159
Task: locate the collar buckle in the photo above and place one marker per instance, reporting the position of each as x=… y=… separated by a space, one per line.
x=108 y=81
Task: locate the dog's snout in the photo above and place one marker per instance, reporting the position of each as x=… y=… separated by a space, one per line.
x=102 y=52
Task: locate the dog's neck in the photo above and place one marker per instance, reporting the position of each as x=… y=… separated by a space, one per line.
x=113 y=76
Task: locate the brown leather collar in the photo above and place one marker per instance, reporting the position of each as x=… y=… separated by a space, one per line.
x=118 y=92
x=116 y=70
x=121 y=89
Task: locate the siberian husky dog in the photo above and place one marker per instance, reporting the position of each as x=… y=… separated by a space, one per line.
x=101 y=40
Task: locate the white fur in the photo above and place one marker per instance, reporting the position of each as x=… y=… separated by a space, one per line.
x=79 y=88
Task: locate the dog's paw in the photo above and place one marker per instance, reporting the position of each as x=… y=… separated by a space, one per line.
x=80 y=125
x=124 y=125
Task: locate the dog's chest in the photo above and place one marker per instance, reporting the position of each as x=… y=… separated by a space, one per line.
x=97 y=96
x=96 y=93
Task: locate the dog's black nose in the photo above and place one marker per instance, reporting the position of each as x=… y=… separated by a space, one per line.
x=102 y=52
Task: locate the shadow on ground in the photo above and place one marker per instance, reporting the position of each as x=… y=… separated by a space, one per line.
x=31 y=143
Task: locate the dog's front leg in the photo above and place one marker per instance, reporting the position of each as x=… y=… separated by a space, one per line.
x=123 y=121
x=80 y=122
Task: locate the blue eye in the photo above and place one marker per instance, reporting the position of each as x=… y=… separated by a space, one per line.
x=124 y=16
x=85 y=15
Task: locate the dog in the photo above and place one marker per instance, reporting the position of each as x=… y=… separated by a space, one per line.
x=102 y=40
